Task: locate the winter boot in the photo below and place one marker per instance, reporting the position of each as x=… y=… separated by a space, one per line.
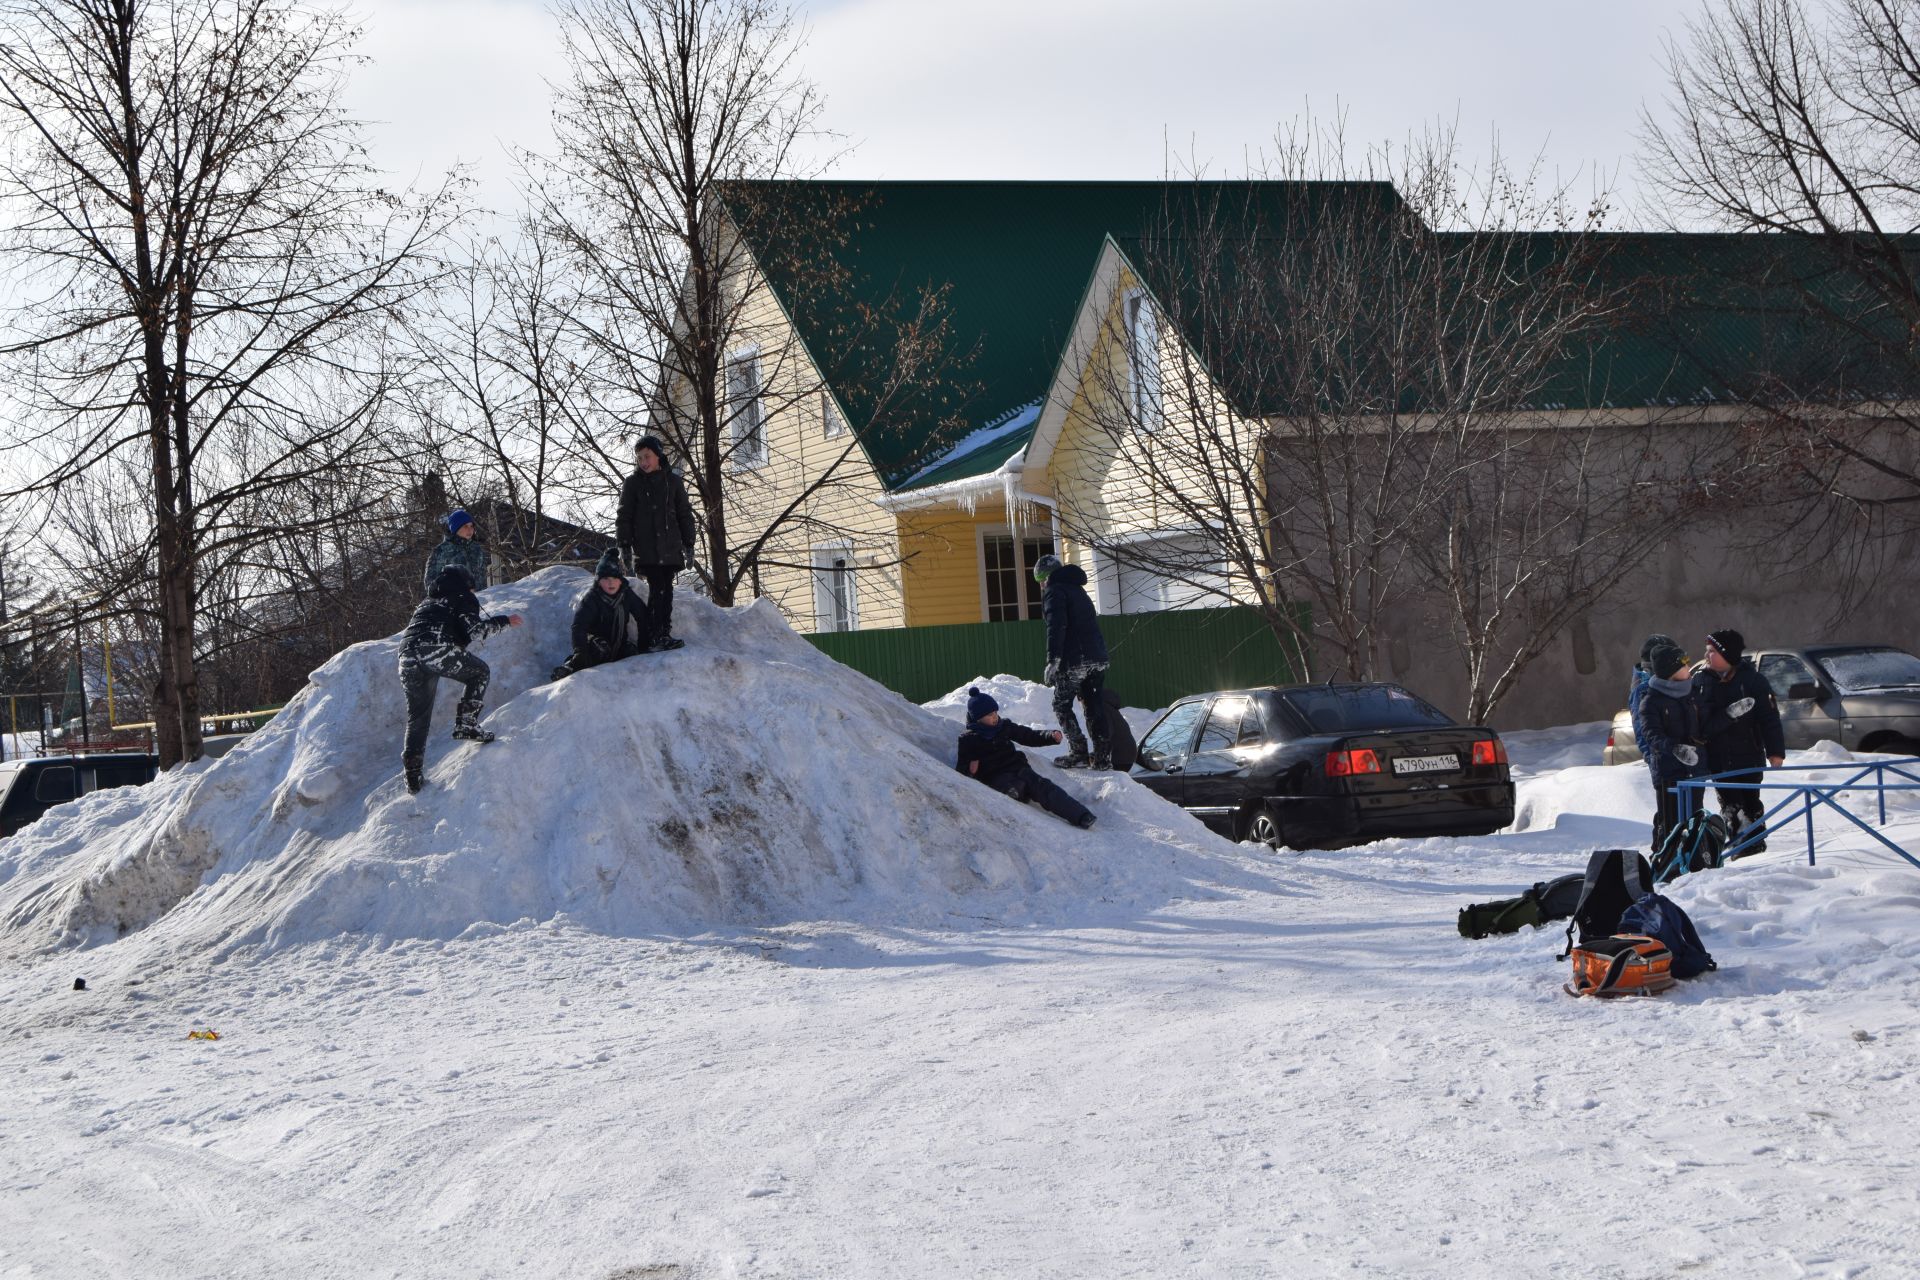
x=561 y=672
x=466 y=723
x=1084 y=822
x=1102 y=755
x=416 y=776
x=666 y=644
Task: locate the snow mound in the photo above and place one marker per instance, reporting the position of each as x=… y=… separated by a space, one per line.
x=743 y=781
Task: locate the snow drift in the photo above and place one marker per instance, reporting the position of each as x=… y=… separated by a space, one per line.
x=744 y=780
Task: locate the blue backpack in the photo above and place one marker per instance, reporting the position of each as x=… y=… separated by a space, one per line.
x=1657 y=917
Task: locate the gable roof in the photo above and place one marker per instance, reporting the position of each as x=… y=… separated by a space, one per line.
x=1690 y=319
x=1014 y=259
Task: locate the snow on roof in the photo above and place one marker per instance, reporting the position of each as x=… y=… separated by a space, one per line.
x=1002 y=428
x=746 y=780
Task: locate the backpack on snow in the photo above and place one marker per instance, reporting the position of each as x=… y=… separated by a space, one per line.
x=1547 y=900
x=1623 y=965
x=1657 y=917
x=1694 y=845
x=1615 y=880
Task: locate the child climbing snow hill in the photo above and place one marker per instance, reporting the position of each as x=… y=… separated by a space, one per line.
x=434 y=647
x=990 y=752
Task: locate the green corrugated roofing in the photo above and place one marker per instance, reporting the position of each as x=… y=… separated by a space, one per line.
x=1696 y=319
x=1014 y=258
x=1712 y=317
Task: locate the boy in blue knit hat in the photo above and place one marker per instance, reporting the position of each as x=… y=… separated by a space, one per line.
x=461 y=546
x=990 y=752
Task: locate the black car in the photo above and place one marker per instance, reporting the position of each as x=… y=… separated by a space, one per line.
x=28 y=788
x=1326 y=765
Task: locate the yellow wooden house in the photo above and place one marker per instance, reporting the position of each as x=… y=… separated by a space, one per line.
x=938 y=518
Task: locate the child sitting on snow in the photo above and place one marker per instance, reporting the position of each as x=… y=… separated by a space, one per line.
x=435 y=647
x=990 y=751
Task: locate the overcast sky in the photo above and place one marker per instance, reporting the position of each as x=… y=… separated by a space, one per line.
x=1079 y=88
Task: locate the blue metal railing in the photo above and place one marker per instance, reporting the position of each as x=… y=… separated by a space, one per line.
x=1811 y=795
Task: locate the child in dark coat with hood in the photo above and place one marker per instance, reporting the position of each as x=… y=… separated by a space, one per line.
x=1672 y=730
x=990 y=752
x=434 y=648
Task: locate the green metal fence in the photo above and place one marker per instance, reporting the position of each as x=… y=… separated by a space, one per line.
x=1156 y=657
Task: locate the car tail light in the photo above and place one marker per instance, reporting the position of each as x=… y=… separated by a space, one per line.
x=1490 y=751
x=1341 y=764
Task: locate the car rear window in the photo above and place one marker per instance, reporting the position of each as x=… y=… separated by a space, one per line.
x=1864 y=670
x=1356 y=710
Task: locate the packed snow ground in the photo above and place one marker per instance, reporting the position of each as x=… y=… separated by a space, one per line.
x=1246 y=1066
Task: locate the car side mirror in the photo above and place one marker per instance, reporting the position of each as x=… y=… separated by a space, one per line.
x=1150 y=760
x=1801 y=690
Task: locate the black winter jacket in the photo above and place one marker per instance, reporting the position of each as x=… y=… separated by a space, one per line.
x=998 y=751
x=602 y=617
x=1669 y=721
x=1739 y=742
x=448 y=618
x=1073 y=629
x=656 y=520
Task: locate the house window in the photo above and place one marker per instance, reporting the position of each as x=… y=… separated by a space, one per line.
x=1179 y=572
x=832 y=424
x=835 y=606
x=1143 y=359
x=1009 y=591
x=744 y=409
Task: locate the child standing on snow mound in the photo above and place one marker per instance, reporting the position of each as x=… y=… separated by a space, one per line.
x=610 y=622
x=990 y=752
x=435 y=647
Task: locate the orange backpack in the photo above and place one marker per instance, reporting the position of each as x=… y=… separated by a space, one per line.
x=1627 y=964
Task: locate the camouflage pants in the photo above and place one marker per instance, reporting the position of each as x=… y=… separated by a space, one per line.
x=420 y=676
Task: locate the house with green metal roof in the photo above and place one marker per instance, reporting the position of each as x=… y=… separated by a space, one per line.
x=940 y=524
x=961 y=486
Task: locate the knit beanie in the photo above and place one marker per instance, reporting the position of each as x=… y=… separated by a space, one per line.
x=609 y=566
x=651 y=442
x=1729 y=642
x=456 y=520
x=979 y=705
x=1654 y=641
x=1665 y=661
x=1044 y=566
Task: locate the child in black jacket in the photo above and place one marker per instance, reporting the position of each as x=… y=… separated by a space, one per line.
x=990 y=752
x=435 y=647
x=1671 y=728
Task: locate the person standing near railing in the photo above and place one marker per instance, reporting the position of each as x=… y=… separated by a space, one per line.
x=1668 y=721
x=1743 y=733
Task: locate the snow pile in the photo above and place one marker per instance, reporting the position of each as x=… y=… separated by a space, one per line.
x=1027 y=702
x=743 y=781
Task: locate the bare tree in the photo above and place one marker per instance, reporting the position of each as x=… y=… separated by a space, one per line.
x=1311 y=383
x=504 y=387
x=200 y=237
x=1803 y=120
x=677 y=125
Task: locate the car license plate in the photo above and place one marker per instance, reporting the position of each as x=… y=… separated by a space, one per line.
x=1426 y=764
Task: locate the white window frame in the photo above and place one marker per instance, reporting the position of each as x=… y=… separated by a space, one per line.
x=1146 y=397
x=824 y=615
x=742 y=457
x=833 y=423
x=1026 y=588
x=1109 y=590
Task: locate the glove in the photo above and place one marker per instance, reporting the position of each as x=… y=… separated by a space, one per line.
x=1052 y=673
x=1689 y=756
x=1737 y=709
x=598 y=644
